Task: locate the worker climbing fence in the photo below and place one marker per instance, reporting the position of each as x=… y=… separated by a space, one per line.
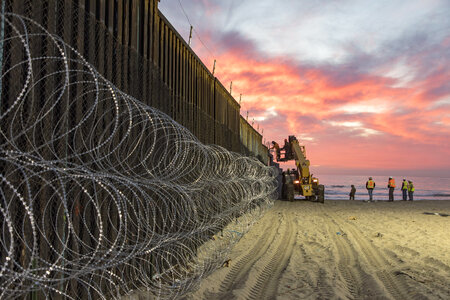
x=102 y=194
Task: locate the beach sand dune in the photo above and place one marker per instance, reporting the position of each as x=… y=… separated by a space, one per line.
x=339 y=250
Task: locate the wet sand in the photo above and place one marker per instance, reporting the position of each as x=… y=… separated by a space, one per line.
x=339 y=250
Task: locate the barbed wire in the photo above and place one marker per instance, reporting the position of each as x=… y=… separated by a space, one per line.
x=102 y=195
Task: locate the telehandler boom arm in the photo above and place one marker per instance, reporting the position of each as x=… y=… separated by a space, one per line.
x=300 y=159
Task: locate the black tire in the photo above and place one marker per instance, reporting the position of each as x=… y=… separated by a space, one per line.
x=283 y=192
x=321 y=193
x=290 y=192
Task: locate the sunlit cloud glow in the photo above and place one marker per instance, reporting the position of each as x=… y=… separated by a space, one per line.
x=266 y=115
x=376 y=106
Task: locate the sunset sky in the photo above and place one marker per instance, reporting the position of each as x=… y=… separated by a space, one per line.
x=364 y=85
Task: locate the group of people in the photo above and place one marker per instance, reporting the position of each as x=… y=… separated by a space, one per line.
x=407 y=189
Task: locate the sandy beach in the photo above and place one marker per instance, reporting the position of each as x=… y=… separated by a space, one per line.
x=339 y=250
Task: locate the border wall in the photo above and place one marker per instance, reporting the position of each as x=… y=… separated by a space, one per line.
x=136 y=48
x=251 y=142
x=132 y=45
x=201 y=102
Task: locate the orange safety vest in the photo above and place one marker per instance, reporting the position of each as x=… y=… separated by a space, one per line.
x=370 y=184
x=392 y=182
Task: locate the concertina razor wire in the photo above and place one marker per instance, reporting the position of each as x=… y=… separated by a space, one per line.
x=102 y=195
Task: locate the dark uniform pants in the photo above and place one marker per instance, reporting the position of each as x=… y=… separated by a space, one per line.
x=391 y=194
x=405 y=196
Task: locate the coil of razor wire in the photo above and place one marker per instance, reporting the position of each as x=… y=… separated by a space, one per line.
x=102 y=195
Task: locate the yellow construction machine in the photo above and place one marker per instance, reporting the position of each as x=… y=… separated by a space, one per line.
x=301 y=180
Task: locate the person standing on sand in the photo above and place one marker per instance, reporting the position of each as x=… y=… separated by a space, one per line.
x=404 y=189
x=410 y=190
x=370 y=185
x=352 y=193
x=391 y=186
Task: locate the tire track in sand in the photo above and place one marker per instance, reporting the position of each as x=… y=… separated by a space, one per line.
x=274 y=261
x=348 y=264
x=241 y=267
x=384 y=272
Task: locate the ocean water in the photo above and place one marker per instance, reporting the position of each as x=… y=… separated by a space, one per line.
x=337 y=187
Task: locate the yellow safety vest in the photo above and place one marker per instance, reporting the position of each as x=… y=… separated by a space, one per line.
x=392 y=182
x=411 y=187
x=370 y=184
x=405 y=185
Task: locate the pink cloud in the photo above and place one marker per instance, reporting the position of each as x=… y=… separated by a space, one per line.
x=401 y=130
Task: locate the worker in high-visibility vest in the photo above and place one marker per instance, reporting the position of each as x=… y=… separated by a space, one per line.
x=410 y=190
x=405 y=189
x=370 y=185
x=391 y=186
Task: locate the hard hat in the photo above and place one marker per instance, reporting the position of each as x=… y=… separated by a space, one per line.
x=390 y=177
x=370 y=177
x=404 y=179
x=409 y=181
